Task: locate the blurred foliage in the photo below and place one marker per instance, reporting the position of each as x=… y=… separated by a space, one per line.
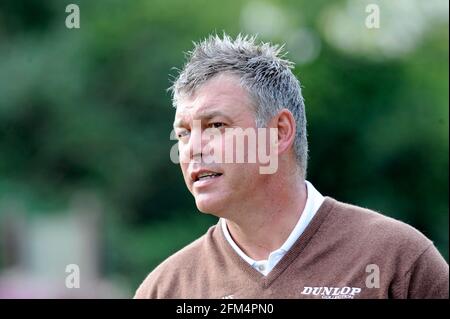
x=88 y=109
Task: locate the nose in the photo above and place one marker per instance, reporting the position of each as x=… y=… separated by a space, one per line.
x=192 y=150
x=195 y=146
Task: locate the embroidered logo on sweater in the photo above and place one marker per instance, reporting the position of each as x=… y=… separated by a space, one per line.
x=332 y=292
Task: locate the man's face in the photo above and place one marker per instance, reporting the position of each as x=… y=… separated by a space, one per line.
x=221 y=103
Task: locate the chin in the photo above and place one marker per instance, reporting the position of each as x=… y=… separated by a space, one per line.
x=210 y=206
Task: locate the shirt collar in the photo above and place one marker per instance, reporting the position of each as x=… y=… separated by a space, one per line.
x=313 y=201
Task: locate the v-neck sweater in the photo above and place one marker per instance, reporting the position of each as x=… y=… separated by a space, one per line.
x=345 y=252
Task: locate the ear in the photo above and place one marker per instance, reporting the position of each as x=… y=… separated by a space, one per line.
x=285 y=123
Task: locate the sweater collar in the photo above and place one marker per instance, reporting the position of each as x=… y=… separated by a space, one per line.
x=295 y=251
x=313 y=202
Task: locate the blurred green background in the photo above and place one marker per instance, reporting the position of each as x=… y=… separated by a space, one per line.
x=85 y=122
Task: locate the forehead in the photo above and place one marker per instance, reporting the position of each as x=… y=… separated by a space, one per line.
x=221 y=94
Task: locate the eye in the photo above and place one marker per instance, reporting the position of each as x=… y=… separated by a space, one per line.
x=216 y=125
x=182 y=134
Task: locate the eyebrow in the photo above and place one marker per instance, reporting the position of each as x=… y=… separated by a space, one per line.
x=207 y=115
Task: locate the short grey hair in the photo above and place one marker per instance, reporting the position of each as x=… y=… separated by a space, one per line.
x=263 y=71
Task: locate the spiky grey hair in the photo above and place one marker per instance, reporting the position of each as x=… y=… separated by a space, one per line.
x=263 y=72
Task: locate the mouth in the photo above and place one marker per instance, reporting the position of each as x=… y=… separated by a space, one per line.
x=204 y=177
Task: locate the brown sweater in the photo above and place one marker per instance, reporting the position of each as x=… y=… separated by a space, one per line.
x=339 y=255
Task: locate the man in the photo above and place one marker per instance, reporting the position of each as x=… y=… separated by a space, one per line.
x=277 y=236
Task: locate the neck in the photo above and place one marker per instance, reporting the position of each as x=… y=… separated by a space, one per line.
x=263 y=224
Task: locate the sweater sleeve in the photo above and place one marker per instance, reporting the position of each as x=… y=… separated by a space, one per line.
x=145 y=291
x=149 y=287
x=428 y=276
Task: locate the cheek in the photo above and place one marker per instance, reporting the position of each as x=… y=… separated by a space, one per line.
x=227 y=148
x=242 y=175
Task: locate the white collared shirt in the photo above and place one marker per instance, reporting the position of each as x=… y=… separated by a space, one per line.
x=313 y=201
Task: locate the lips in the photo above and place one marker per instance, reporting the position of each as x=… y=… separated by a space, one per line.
x=203 y=175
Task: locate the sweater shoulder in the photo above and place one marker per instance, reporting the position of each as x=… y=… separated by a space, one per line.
x=179 y=265
x=369 y=228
